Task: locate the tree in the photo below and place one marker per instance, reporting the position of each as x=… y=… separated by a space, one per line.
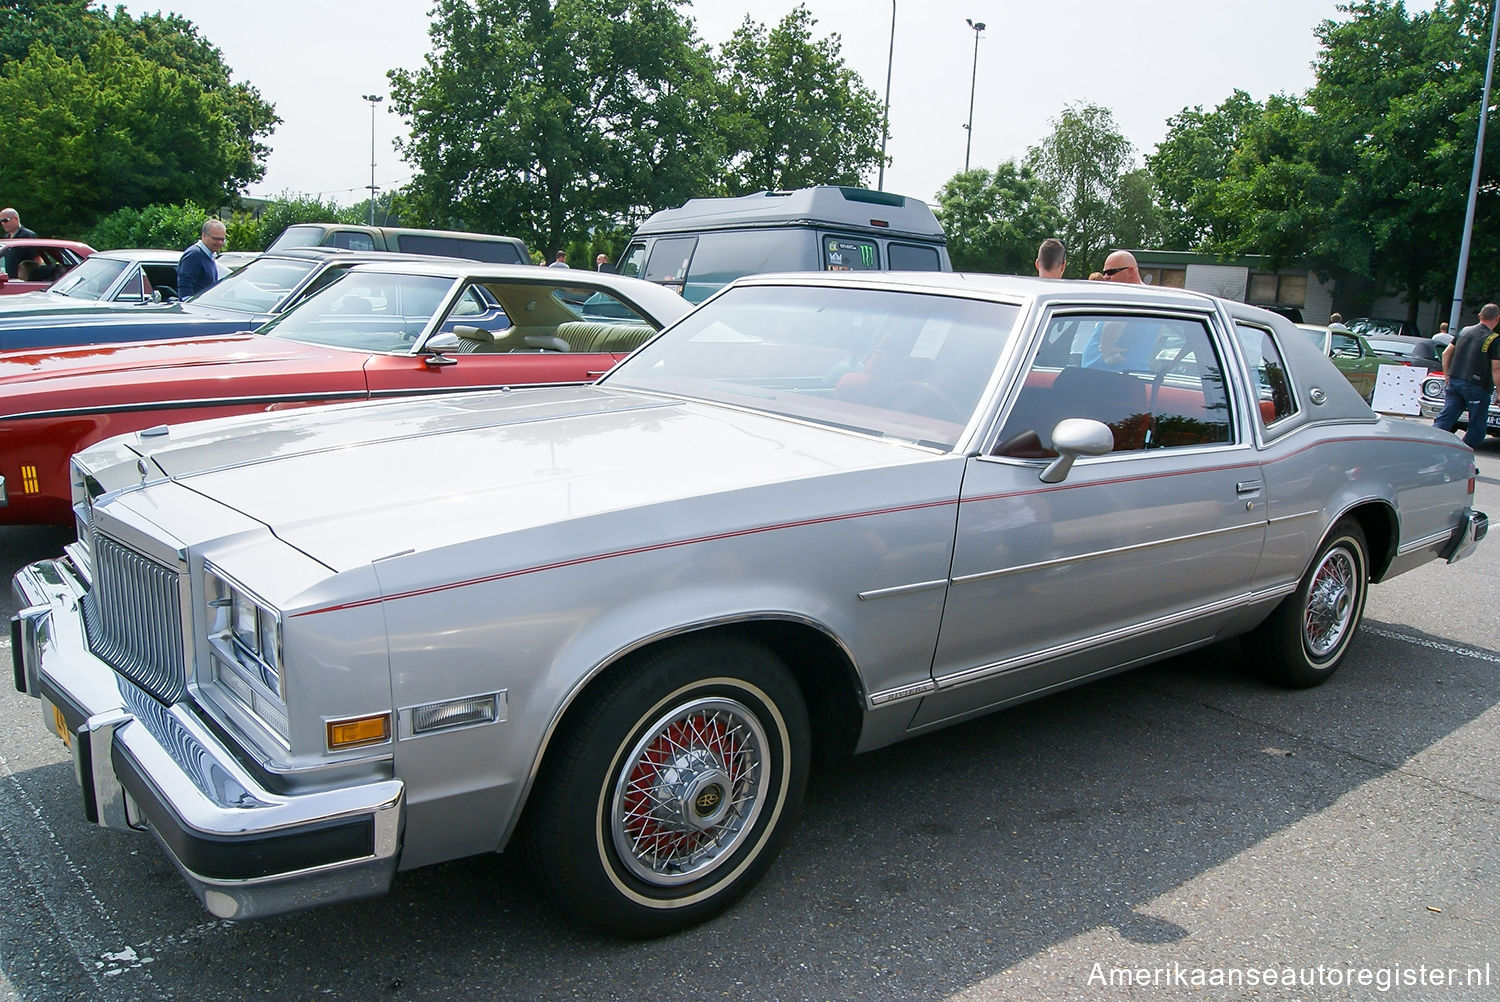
x=549 y=119
x=1365 y=177
x=793 y=113
x=996 y=220
x=1079 y=167
x=109 y=112
x=1189 y=165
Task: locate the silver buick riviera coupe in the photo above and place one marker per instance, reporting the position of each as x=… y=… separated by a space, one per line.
x=611 y=625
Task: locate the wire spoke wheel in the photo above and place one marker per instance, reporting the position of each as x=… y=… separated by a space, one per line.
x=673 y=786
x=1329 y=612
x=690 y=790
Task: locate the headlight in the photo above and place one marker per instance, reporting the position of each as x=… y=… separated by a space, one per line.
x=244 y=628
x=1434 y=388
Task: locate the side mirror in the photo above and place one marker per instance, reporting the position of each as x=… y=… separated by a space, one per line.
x=1074 y=437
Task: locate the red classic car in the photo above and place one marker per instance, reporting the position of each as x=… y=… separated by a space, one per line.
x=379 y=330
x=50 y=258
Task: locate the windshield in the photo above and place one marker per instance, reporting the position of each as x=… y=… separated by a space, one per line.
x=259 y=287
x=371 y=311
x=297 y=236
x=91 y=279
x=902 y=366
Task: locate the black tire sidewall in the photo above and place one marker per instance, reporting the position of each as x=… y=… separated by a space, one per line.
x=593 y=882
x=1281 y=643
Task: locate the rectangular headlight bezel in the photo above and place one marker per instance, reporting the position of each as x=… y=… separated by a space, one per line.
x=244 y=628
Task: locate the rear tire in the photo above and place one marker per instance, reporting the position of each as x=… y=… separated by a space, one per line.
x=1303 y=642
x=672 y=788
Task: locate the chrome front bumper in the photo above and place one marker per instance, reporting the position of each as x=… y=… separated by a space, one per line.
x=245 y=850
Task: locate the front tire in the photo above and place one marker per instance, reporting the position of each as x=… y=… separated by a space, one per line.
x=1304 y=641
x=673 y=787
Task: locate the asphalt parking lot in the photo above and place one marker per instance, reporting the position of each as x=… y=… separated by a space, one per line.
x=1177 y=824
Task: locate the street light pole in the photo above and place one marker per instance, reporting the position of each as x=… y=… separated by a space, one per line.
x=374 y=99
x=978 y=26
x=885 y=125
x=1463 y=250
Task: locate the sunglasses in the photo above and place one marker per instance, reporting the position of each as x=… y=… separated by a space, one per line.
x=1107 y=272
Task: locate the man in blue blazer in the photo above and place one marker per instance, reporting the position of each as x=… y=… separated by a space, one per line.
x=197 y=270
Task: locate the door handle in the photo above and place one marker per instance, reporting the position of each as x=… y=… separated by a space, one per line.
x=1247 y=487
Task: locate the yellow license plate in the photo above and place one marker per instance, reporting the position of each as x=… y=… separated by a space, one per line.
x=61 y=727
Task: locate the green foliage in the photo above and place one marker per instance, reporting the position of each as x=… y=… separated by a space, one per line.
x=1365 y=177
x=1080 y=167
x=108 y=112
x=247 y=233
x=1189 y=165
x=996 y=220
x=792 y=113
x=174 y=227
x=548 y=119
x=168 y=227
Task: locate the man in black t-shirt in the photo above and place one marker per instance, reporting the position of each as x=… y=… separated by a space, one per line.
x=1472 y=366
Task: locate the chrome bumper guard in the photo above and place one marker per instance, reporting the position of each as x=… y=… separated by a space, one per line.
x=245 y=850
x=1472 y=527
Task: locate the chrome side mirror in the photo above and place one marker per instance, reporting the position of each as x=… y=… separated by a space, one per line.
x=1074 y=437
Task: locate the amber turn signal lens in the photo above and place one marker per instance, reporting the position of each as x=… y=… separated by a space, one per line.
x=359 y=731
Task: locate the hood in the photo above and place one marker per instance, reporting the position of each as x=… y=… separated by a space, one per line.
x=27 y=306
x=350 y=484
x=145 y=372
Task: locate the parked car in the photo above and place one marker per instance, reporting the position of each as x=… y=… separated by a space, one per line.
x=706 y=243
x=1435 y=394
x=105 y=281
x=51 y=260
x=486 y=247
x=264 y=287
x=376 y=330
x=1421 y=352
x=1369 y=326
x=613 y=624
x=1351 y=354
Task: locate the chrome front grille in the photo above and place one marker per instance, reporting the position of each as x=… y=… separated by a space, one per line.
x=133 y=617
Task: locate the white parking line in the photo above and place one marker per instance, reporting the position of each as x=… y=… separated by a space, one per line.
x=1465 y=652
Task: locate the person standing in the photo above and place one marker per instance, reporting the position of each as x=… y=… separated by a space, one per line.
x=561 y=261
x=196 y=269
x=1051 y=258
x=1472 y=366
x=1120 y=266
x=10 y=222
x=601 y=263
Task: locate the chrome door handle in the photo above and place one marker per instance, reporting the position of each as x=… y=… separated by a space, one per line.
x=1247 y=487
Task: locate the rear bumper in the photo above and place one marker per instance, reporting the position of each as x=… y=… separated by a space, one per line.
x=1472 y=527
x=245 y=850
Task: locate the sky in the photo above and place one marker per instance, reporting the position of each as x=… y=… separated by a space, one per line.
x=314 y=59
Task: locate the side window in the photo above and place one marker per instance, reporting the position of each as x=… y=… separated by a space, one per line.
x=668 y=264
x=913 y=257
x=1267 y=374
x=850 y=254
x=489 y=251
x=351 y=240
x=1155 y=382
x=1344 y=346
x=419 y=243
x=134 y=289
x=722 y=257
x=630 y=264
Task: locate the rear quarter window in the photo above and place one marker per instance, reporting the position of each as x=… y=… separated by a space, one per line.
x=913 y=257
